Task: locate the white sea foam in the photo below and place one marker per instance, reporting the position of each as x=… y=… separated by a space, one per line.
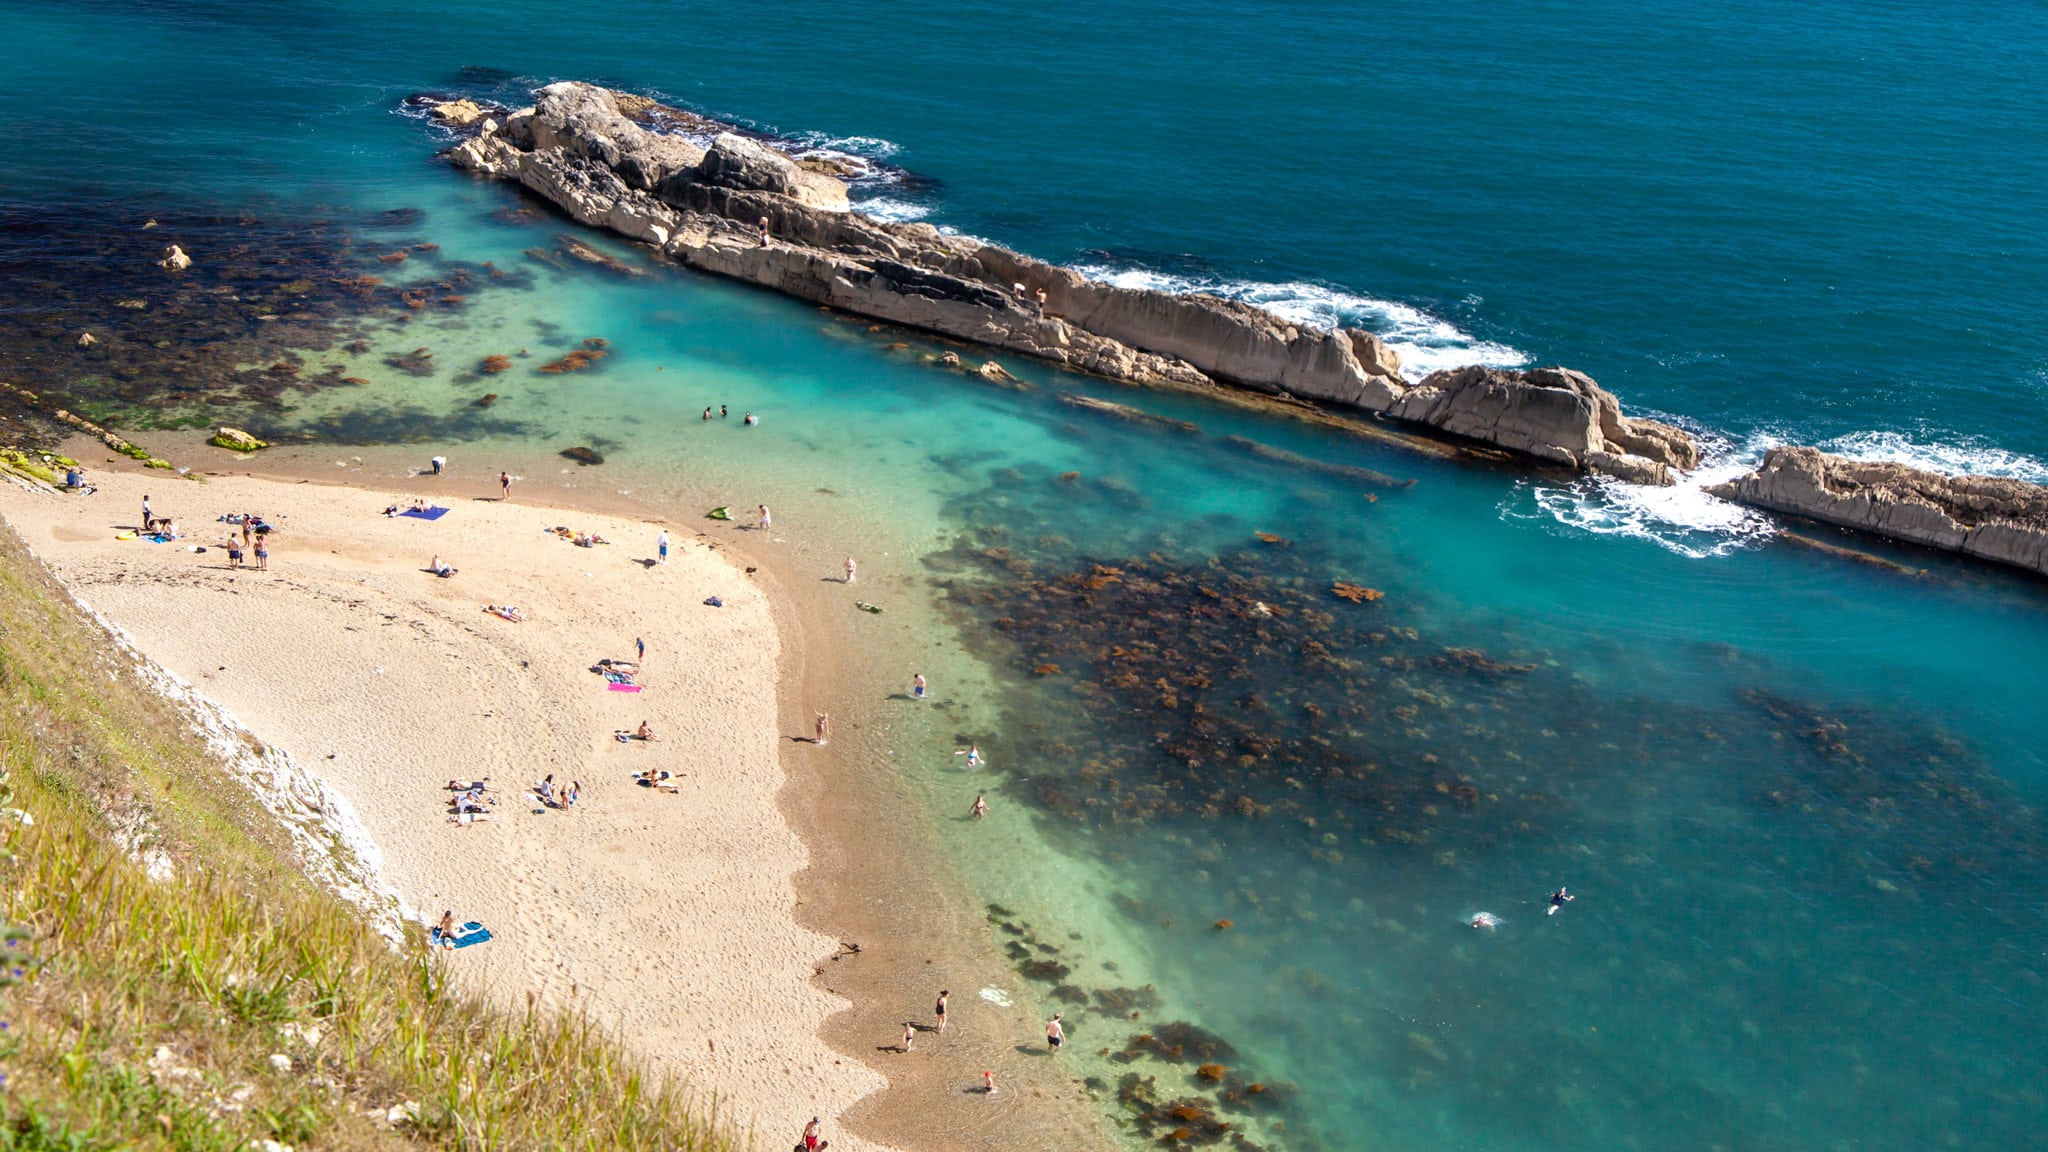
x=1683 y=518
x=1686 y=520
x=891 y=209
x=1958 y=456
x=865 y=147
x=1426 y=342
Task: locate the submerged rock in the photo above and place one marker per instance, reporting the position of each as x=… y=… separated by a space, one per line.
x=583 y=454
x=1989 y=517
x=175 y=259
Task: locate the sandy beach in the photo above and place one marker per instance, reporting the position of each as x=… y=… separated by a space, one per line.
x=668 y=915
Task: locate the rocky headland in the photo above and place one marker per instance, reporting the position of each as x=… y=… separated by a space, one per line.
x=716 y=199
x=736 y=207
x=1989 y=517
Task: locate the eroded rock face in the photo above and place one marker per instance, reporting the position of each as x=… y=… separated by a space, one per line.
x=1550 y=413
x=1989 y=517
x=586 y=149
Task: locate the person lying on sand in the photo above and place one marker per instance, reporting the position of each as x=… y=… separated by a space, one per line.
x=506 y=612
x=473 y=786
x=439 y=569
x=655 y=778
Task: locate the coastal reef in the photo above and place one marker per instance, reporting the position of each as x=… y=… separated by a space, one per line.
x=1989 y=517
x=724 y=202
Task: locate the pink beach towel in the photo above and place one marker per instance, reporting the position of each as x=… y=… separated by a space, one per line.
x=623 y=687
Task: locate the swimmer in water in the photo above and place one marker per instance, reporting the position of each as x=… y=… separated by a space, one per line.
x=1559 y=899
x=1485 y=920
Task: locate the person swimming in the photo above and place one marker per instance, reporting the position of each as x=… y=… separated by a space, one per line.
x=1559 y=899
x=1485 y=920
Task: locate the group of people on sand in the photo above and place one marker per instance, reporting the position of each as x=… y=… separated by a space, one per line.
x=473 y=802
x=559 y=798
x=253 y=539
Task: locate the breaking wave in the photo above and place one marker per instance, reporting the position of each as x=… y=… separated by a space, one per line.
x=1426 y=342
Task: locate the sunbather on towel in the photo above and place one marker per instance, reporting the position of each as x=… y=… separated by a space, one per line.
x=507 y=612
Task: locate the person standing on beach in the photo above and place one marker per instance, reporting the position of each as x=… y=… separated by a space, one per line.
x=147 y=515
x=766 y=519
x=917 y=686
x=811 y=1141
x=909 y=1036
x=980 y=808
x=988 y=1083
x=640 y=649
x=661 y=541
x=850 y=568
x=939 y=1010
x=263 y=554
x=824 y=729
x=1055 y=1033
x=504 y=485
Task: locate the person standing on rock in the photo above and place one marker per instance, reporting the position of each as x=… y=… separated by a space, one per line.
x=504 y=485
x=939 y=1010
x=764 y=231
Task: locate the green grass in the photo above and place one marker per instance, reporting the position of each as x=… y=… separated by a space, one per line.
x=149 y=1014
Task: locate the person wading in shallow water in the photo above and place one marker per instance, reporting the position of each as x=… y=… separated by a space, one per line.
x=980 y=808
x=504 y=485
x=1055 y=1033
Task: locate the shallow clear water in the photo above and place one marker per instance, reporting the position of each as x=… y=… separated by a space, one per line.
x=1796 y=795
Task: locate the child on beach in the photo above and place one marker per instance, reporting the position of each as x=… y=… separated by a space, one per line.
x=917 y=686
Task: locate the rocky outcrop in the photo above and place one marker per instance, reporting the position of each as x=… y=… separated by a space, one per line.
x=598 y=156
x=174 y=258
x=1550 y=413
x=456 y=113
x=1989 y=517
x=236 y=440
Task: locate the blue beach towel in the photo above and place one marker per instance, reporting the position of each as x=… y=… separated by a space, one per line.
x=470 y=933
x=426 y=514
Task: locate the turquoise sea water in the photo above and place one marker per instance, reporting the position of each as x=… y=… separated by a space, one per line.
x=1796 y=795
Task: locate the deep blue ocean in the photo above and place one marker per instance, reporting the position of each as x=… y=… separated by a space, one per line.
x=1798 y=795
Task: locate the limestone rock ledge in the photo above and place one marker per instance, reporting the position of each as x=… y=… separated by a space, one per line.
x=1989 y=517
x=599 y=155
